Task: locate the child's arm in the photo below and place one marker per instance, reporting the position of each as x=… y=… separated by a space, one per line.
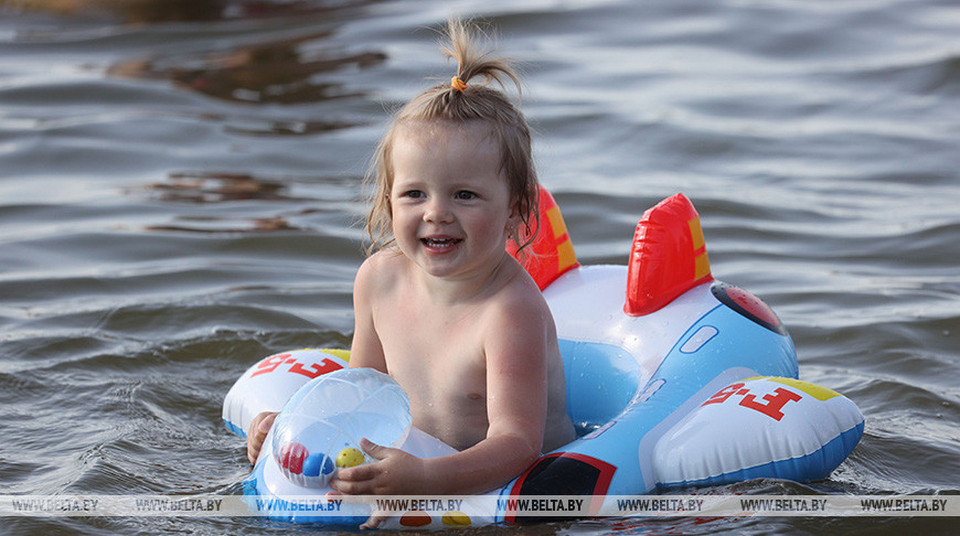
x=366 y=350
x=516 y=354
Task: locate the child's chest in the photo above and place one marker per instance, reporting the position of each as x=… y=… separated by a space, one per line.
x=436 y=354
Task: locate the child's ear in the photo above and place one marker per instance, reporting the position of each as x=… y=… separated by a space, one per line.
x=513 y=222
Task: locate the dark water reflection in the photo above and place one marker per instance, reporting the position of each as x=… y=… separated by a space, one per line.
x=180 y=192
x=273 y=72
x=165 y=11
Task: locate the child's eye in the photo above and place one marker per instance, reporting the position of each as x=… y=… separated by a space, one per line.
x=466 y=195
x=413 y=194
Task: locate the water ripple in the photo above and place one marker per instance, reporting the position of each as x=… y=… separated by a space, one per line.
x=180 y=192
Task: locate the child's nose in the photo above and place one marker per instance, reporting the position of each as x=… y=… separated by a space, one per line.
x=438 y=211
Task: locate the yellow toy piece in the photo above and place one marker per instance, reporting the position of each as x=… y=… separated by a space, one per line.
x=350 y=457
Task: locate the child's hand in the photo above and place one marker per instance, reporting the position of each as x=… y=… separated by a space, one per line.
x=395 y=472
x=259 y=427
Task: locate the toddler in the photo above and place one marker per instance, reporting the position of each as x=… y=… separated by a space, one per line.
x=440 y=305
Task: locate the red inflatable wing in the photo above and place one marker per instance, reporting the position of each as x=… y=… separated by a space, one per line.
x=551 y=253
x=668 y=257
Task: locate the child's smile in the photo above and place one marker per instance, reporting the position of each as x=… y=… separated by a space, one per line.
x=440 y=243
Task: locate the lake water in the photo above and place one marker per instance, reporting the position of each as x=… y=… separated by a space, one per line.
x=179 y=196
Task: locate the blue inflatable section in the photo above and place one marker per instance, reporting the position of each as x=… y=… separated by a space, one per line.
x=601 y=381
x=717 y=349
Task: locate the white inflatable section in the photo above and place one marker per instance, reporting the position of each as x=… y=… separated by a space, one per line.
x=268 y=384
x=587 y=305
x=764 y=427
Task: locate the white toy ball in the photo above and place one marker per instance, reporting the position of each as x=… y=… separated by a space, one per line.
x=320 y=427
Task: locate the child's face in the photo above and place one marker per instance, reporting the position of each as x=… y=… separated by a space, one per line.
x=451 y=204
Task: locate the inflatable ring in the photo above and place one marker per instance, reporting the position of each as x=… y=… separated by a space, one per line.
x=673 y=379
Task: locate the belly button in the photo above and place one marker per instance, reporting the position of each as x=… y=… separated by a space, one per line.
x=474 y=396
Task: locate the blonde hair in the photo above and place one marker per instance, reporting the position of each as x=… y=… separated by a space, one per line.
x=462 y=101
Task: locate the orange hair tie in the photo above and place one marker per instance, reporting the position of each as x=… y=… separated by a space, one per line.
x=458 y=84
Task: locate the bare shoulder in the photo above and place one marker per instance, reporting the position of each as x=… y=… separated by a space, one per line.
x=378 y=271
x=520 y=304
x=524 y=291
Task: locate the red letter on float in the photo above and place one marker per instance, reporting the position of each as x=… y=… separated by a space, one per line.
x=723 y=394
x=775 y=402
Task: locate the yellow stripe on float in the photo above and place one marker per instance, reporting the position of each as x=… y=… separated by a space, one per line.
x=812 y=389
x=556 y=221
x=342 y=354
x=696 y=233
x=701 y=266
x=566 y=257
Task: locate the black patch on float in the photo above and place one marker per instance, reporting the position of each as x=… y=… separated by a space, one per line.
x=563 y=474
x=748 y=306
